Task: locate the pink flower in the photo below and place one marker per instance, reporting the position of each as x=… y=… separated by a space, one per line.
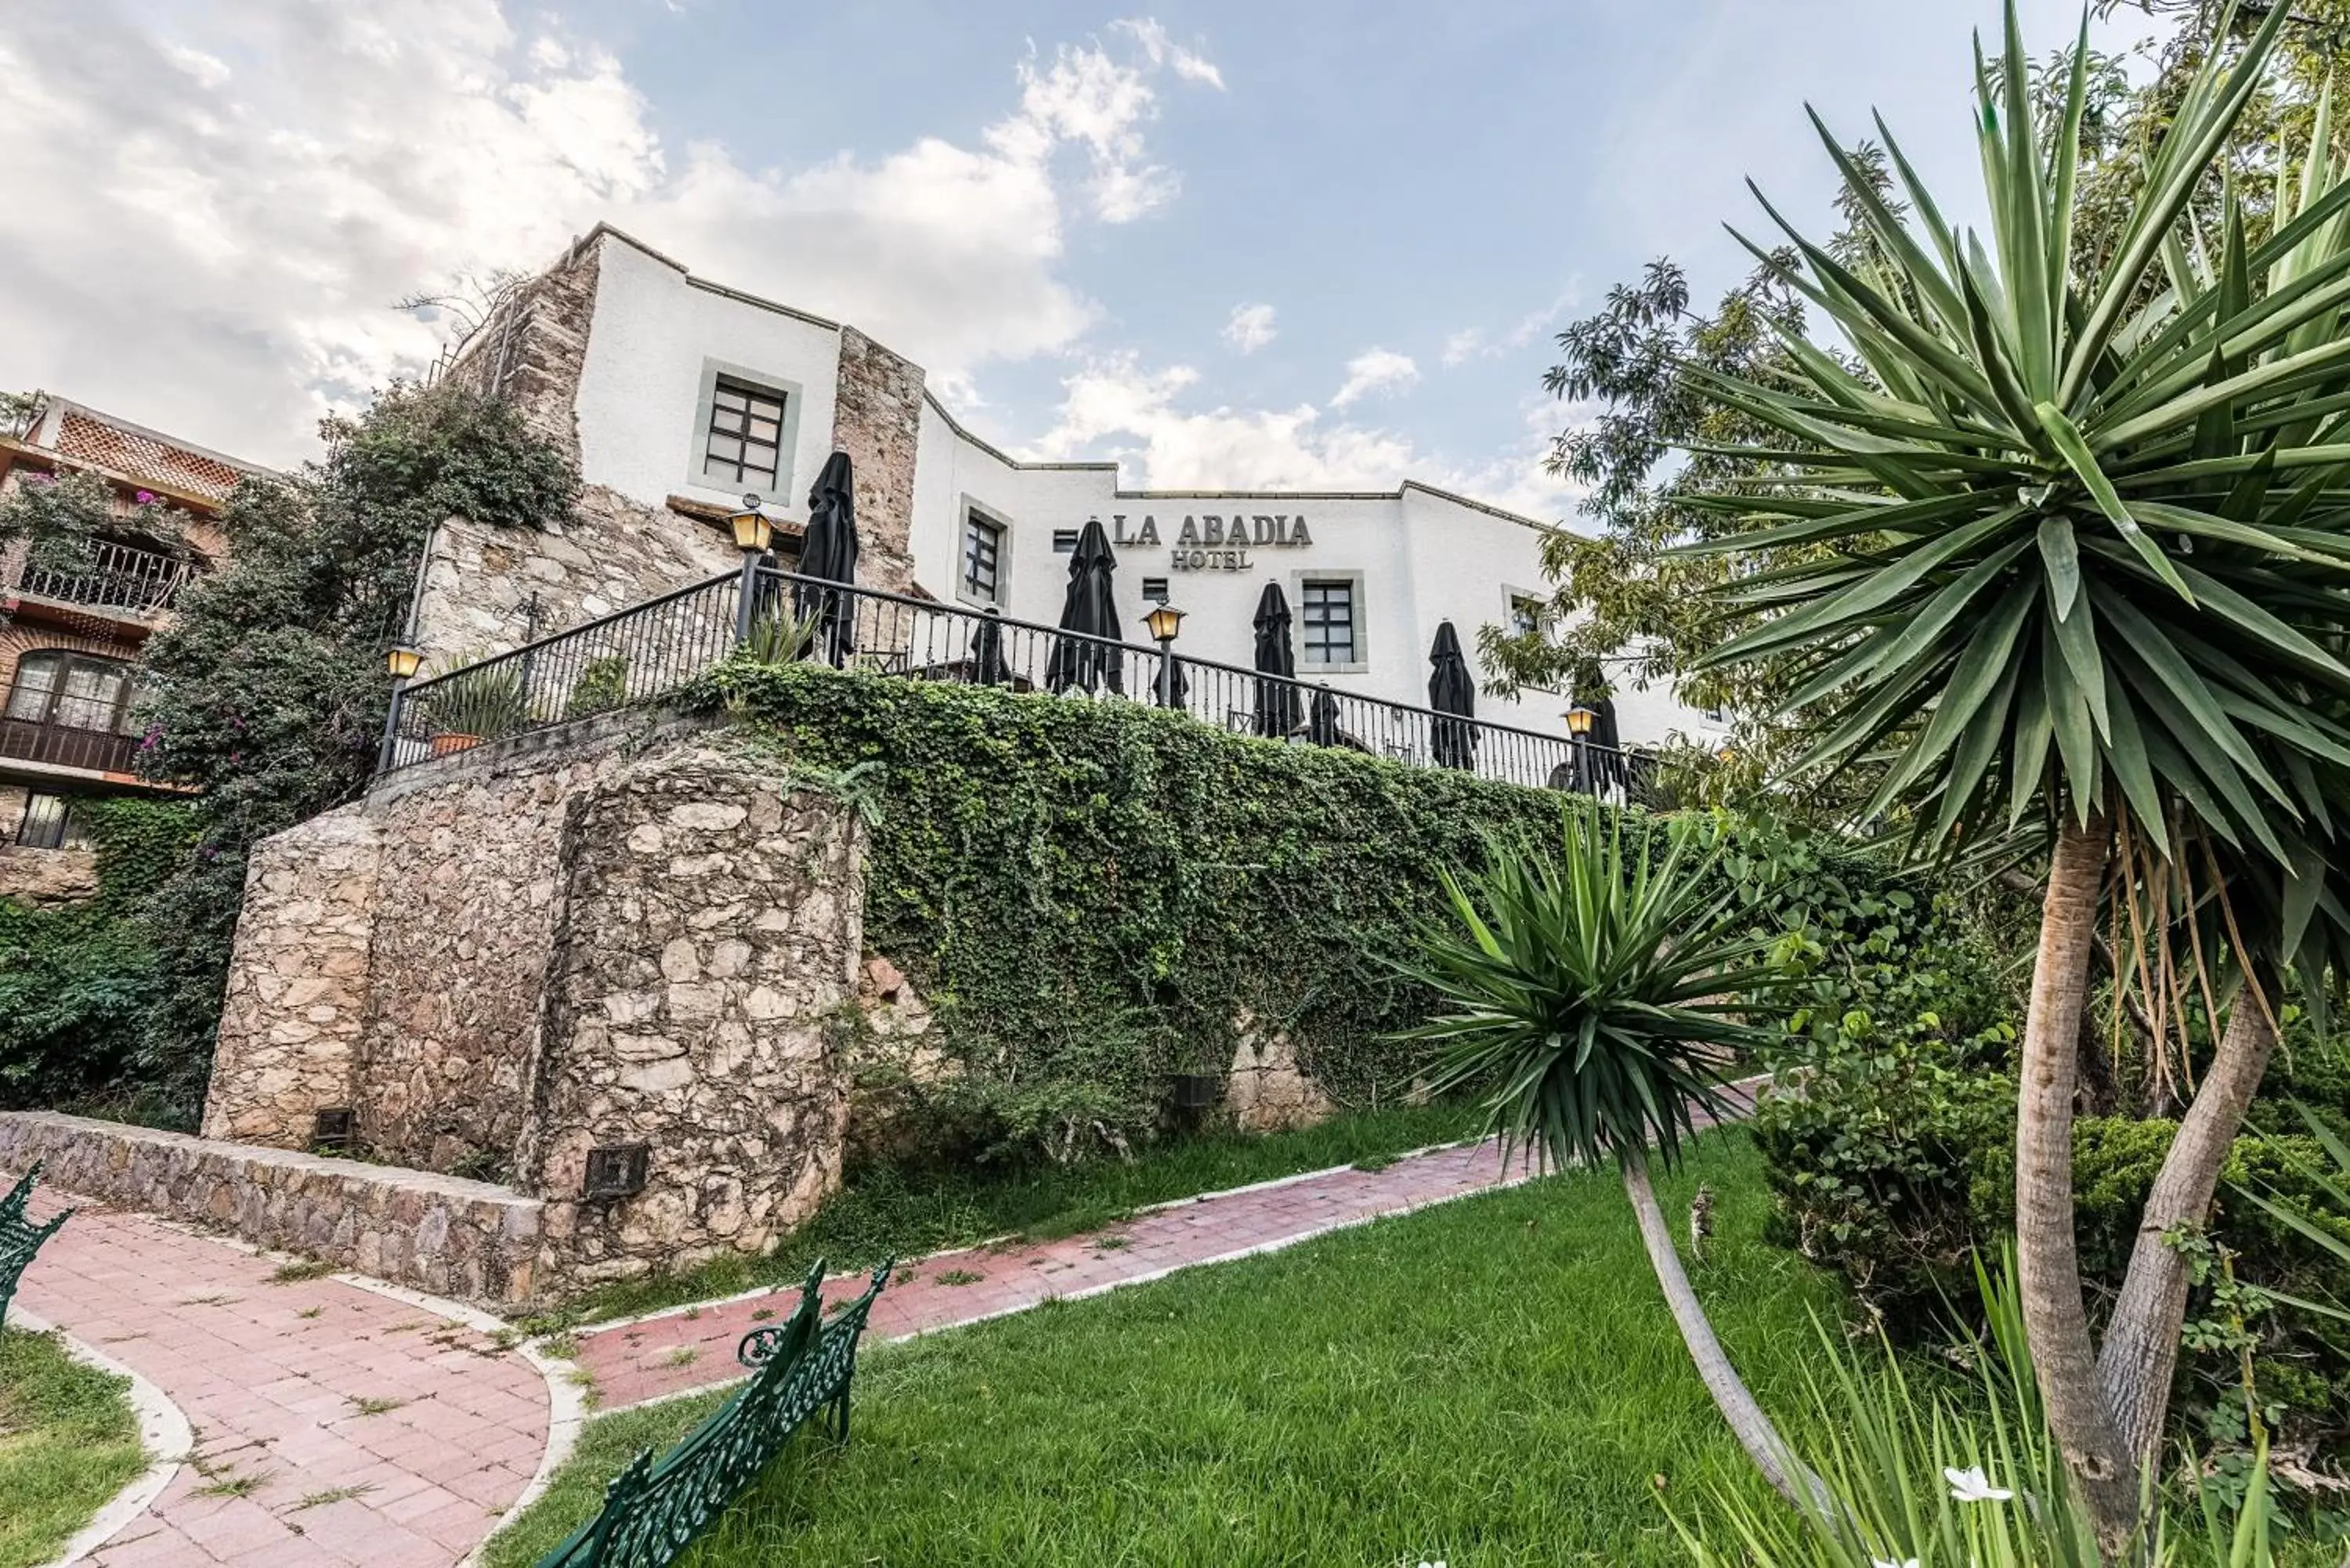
x=145 y=498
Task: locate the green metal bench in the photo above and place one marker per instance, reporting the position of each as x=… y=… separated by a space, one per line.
x=19 y=1236
x=654 y=1509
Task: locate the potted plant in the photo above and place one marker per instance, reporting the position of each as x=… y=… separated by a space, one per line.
x=478 y=703
x=603 y=685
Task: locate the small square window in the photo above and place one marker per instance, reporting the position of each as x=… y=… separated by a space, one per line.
x=1528 y=615
x=618 y=1170
x=1154 y=591
x=1329 y=621
x=742 y=445
x=982 y=558
x=1065 y=541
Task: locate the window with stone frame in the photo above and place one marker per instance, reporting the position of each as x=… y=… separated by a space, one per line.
x=1328 y=615
x=742 y=446
x=982 y=558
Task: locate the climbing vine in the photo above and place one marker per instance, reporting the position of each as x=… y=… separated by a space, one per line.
x=1094 y=896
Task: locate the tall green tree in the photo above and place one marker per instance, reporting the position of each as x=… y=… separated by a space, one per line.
x=267 y=691
x=2083 y=545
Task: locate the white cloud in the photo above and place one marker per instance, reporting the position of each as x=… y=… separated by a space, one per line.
x=1375 y=371
x=1116 y=408
x=1471 y=342
x=208 y=240
x=1251 y=328
x=1161 y=50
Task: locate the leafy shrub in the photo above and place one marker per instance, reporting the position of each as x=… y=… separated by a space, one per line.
x=76 y=982
x=1891 y=1148
x=603 y=685
x=267 y=691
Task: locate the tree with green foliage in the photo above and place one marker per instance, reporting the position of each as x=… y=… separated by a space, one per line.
x=1593 y=1002
x=267 y=691
x=2081 y=570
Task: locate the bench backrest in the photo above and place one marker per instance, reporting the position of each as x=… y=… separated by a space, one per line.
x=655 y=1508
x=19 y=1236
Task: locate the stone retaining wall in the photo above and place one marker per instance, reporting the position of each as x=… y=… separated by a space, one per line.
x=296 y=1003
x=439 y=1233
x=504 y=960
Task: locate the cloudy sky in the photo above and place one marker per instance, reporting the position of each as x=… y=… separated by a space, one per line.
x=1316 y=244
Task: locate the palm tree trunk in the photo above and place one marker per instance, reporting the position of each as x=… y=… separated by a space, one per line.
x=1753 y=1428
x=2064 y=1358
x=2141 y=1349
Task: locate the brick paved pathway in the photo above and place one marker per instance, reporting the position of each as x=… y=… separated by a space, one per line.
x=687 y=1348
x=333 y=1424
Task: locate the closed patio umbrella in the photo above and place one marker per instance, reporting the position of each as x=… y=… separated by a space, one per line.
x=828 y=551
x=1091 y=608
x=1276 y=700
x=1452 y=691
x=1322 y=729
x=987 y=666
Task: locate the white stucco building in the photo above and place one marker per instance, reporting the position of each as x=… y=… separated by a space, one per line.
x=680 y=395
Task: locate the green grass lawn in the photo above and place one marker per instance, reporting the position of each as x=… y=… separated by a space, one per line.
x=68 y=1442
x=887 y=1210
x=1490 y=1382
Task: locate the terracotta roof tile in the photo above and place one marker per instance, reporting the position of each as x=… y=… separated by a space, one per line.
x=84 y=438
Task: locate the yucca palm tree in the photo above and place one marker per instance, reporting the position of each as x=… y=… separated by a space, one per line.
x=2080 y=530
x=1593 y=1000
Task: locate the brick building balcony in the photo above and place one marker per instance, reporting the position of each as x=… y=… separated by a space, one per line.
x=41 y=727
x=119 y=580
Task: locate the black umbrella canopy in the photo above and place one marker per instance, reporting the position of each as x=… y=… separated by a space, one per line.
x=987 y=666
x=1090 y=608
x=1322 y=729
x=828 y=551
x=1451 y=690
x=1277 y=701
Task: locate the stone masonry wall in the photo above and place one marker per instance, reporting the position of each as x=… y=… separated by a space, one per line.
x=632 y=934
x=296 y=1007
x=877 y=421
x=534 y=348
x=467 y=901
x=439 y=1233
x=713 y=923
x=487 y=590
x=43 y=878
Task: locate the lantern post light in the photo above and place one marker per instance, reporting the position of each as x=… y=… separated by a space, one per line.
x=751 y=534
x=400 y=660
x=1579 y=720
x=1164 y=621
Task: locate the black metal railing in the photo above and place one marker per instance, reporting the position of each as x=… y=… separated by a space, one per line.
x=38 y=725
x=653 y=649
x=109 y=576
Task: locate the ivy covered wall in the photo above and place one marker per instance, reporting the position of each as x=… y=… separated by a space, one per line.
x=1090 y=894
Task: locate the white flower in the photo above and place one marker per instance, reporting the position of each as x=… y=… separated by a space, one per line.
x=1970 y=1485
x=1890 y=1563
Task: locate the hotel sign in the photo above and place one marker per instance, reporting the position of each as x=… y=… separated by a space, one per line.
x=1210 y=542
